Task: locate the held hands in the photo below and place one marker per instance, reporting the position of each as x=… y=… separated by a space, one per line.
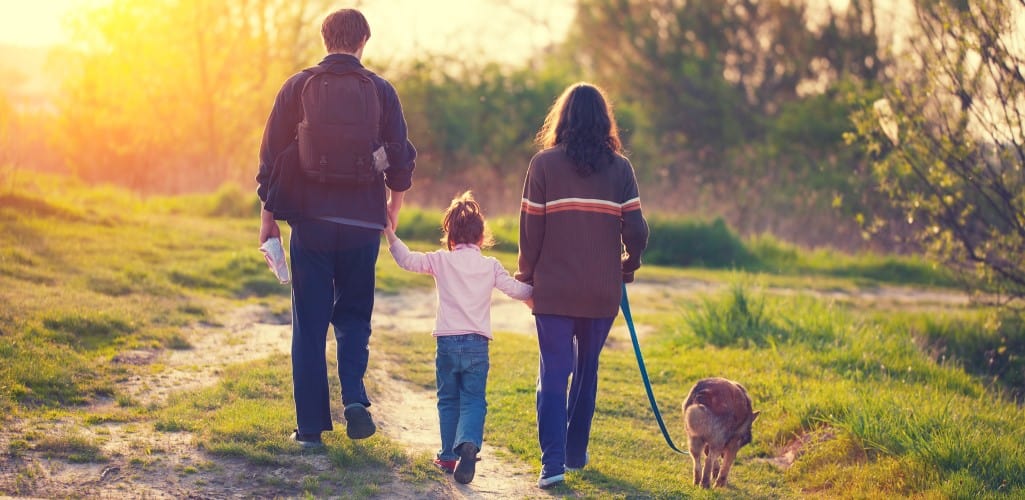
x=389 y=232
x=394 y=205
x=530 y=303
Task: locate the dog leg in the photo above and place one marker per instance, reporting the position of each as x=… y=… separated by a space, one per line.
x=729 y=455
x=706 y=471
x=697 y=449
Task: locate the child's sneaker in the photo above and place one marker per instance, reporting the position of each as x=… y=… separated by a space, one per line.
x=467 y=465
x=358 y=422
x=549 y=481
x=446 y=465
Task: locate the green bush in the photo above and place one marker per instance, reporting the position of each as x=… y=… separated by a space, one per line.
x=692 y=243
x=419 y=225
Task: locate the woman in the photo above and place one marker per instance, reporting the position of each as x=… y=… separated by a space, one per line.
x=580 y=209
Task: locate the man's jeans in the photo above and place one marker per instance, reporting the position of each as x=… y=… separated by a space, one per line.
x=332 y=284
x=462 y=374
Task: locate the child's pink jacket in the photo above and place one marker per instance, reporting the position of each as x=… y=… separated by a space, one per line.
x=464 y=279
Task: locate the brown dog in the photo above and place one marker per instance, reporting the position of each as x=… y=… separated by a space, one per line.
x=718 y=417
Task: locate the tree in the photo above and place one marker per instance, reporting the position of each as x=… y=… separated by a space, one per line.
x=949 y=139
x=171 y=95
x=712 y=73
x=475 y=120
x=741 y=105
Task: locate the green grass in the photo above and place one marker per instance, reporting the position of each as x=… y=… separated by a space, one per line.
x=881 y=416
x=88 y=272
x=914 y=402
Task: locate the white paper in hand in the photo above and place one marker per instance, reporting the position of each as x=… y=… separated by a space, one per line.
x=380 y=160
x=275 y=255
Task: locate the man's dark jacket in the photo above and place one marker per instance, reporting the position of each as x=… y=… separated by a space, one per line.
x=366 y=205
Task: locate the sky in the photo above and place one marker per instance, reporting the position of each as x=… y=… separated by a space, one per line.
x=500 y=29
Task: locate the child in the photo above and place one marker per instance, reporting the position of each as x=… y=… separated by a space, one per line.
x=464 y=279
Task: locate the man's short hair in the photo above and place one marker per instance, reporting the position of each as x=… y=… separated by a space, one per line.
x=345 y=30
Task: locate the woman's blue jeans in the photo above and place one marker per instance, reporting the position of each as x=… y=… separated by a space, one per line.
x=569 y=346
x=461 y=371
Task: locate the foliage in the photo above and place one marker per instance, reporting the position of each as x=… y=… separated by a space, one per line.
x=740 y=62
x=684 y=242
x=949 y=140
x=694 y=243
x=474 y=120
x=170 y=95
x=743 y=107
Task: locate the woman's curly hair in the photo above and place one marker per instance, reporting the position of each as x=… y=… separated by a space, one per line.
x=582 y=120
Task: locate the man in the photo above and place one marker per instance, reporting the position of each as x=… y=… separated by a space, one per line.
x=335 y=241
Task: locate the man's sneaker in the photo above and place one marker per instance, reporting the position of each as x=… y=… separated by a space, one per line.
x=587 y=460
x=446 y=465
x=467 y=465
x=358 y=422
x=307 y=440
x=549 y=481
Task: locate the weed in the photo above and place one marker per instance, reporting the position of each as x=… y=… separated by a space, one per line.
x=73 y=448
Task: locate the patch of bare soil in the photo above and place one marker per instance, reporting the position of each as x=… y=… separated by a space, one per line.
x=790 y=452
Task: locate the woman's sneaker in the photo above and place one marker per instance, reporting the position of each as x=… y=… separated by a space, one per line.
x=307 y=440
x=549 y=481
x=587 y=459
x=446 y=465
x=467 y=465
x=358 y=422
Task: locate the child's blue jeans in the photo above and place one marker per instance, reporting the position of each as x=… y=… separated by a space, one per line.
x=461 y=371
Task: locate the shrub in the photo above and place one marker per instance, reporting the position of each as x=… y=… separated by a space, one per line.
x=685 y=242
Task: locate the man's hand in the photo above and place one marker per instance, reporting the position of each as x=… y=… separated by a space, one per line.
x=268 y=226
x=394 y=205
x=389 y=232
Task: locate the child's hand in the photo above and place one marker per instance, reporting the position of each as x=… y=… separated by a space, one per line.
x=530 y=303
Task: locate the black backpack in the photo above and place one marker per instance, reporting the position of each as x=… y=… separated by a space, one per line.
x=341 y=121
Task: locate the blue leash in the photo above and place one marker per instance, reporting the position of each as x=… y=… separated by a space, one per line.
x=625 y=304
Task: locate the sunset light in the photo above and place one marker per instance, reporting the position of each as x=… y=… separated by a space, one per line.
x=381 y=249
x=494 y=29
x=37 y=23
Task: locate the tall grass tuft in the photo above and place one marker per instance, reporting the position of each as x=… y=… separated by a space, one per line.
x=738 y=318
x=991 y=345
